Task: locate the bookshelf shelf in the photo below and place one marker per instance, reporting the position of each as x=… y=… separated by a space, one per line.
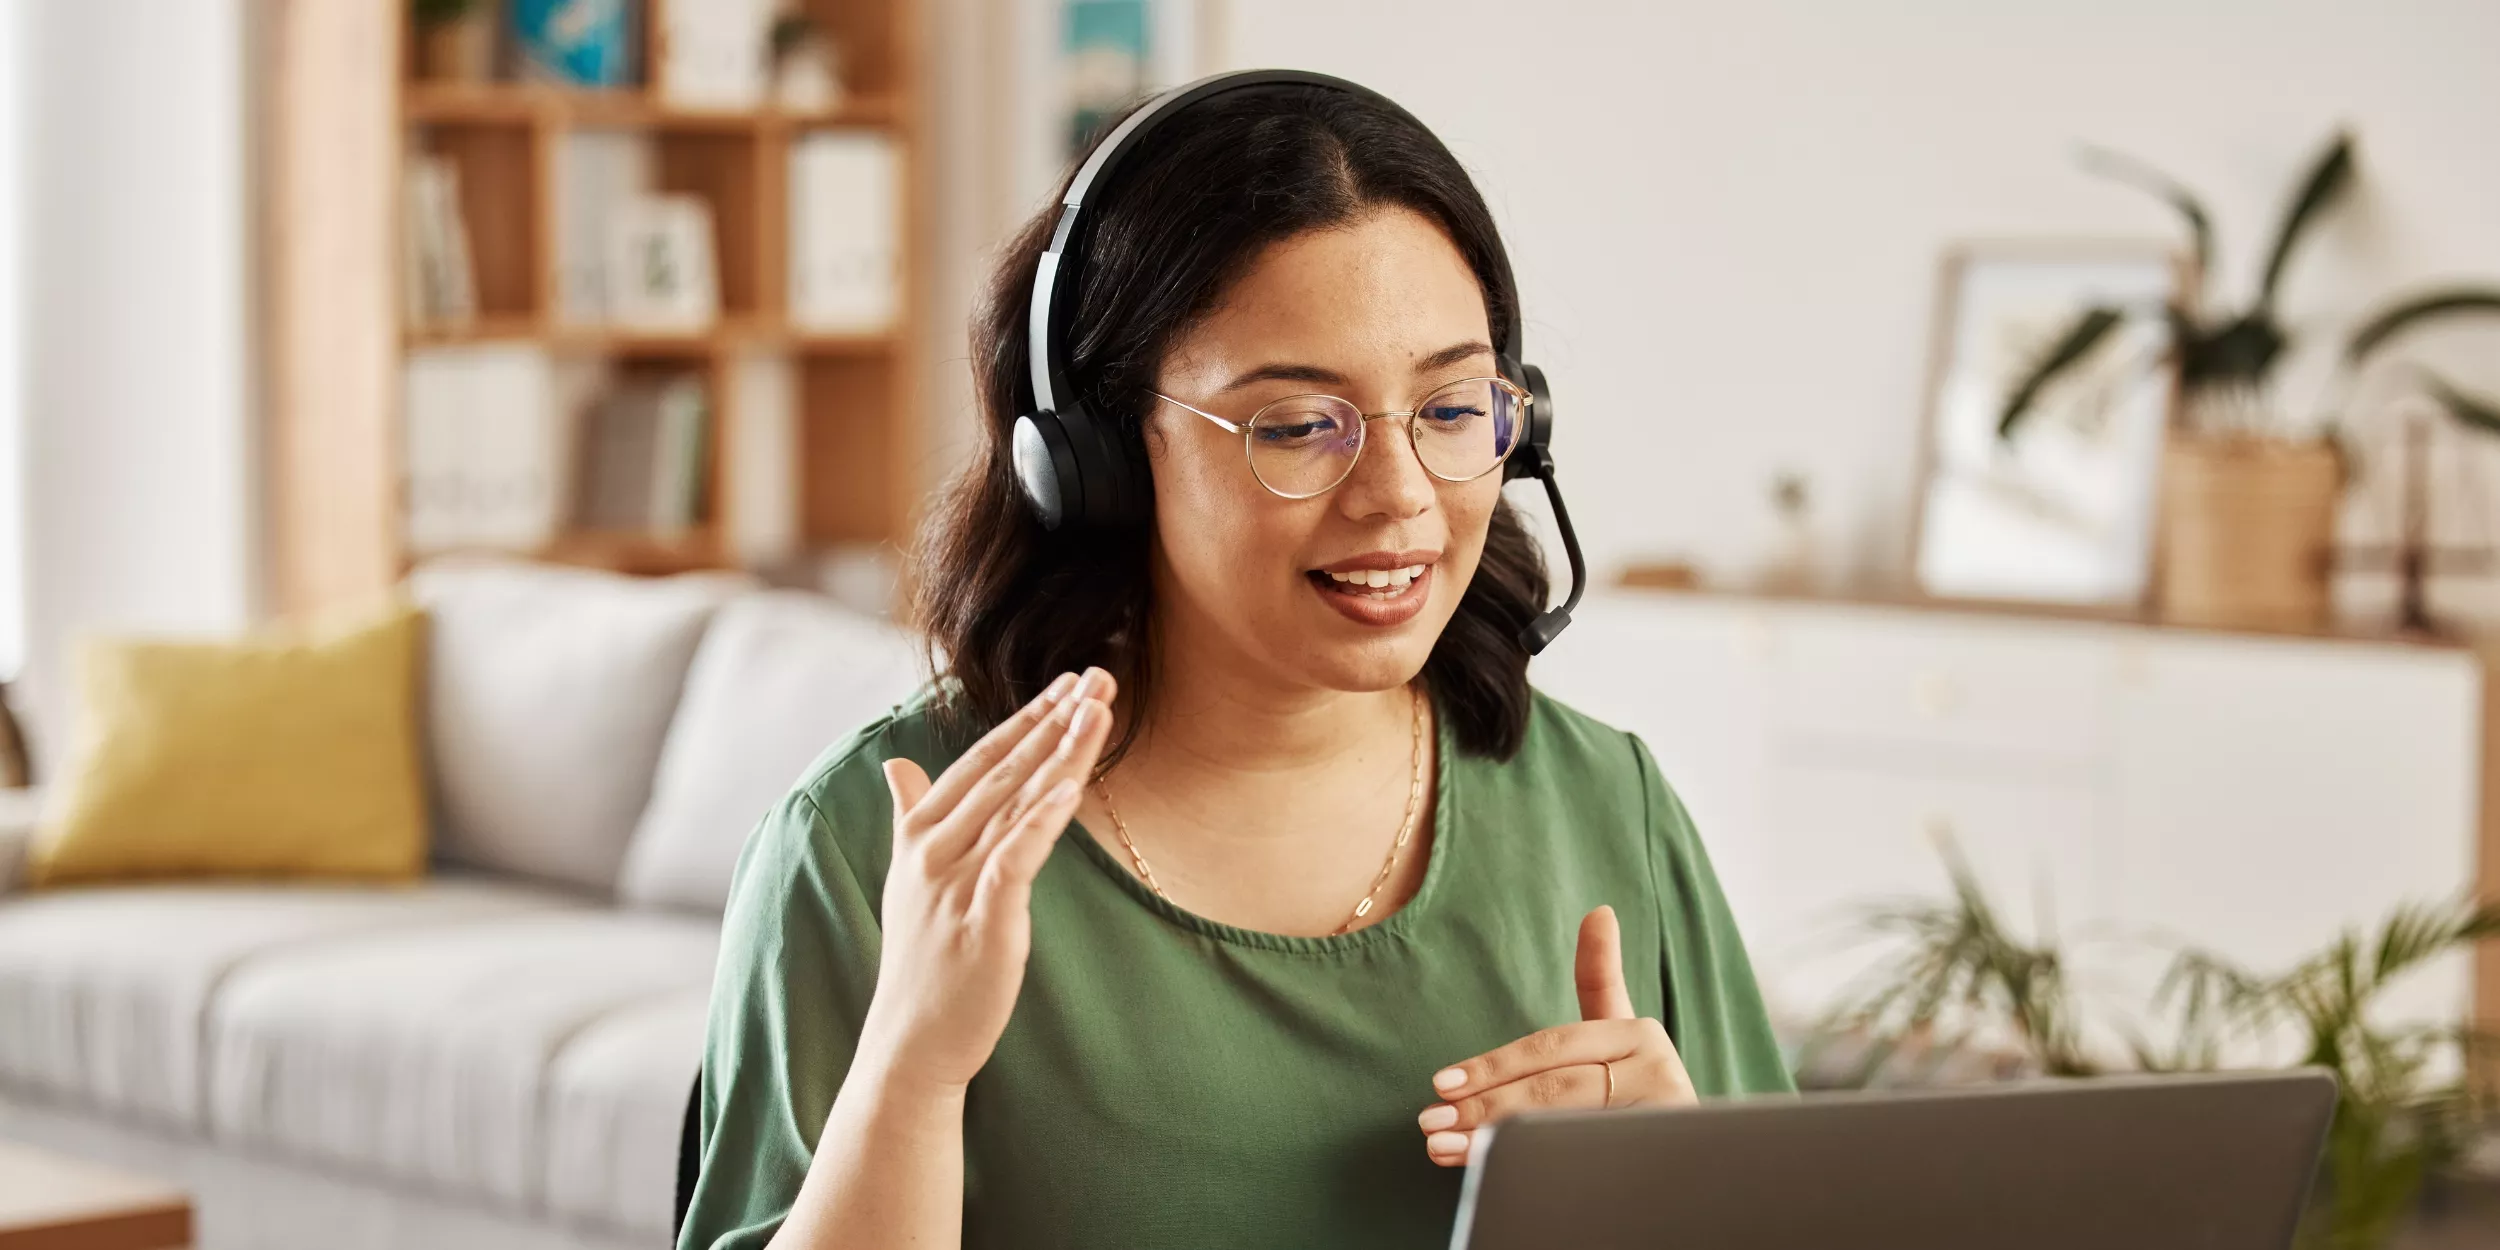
x=595 y=341
x=426 y=103
x=628 y=552
x=845 y=344
x=599 y=340
x=512 y=327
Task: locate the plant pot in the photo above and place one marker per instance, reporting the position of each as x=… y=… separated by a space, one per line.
x=460 y=49
x=2247 y=530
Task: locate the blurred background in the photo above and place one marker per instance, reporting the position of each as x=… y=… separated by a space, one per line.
x=2034 y=463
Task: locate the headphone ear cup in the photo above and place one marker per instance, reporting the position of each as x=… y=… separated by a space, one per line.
x=1109 y=467
x=1530 y=459
x=1047 y=469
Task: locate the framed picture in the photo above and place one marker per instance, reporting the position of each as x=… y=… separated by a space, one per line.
x=2061 y=510
x=661 y=271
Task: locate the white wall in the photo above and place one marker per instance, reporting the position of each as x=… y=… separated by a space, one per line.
x=12 y=340
x=1726 y=215
x=137 y=450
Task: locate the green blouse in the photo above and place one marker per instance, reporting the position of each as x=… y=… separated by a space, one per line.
x=1167 y=1080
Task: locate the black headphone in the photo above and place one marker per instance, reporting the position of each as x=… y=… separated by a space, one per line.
x=1074 y=466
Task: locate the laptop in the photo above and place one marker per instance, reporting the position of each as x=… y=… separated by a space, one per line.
x=2212 y=1162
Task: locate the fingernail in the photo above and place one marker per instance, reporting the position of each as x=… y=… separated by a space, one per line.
x=1436 y=1118
x=1448 y=1079
x=1446 y=1143
x=1063 y=793
x=1058 y=688
x=1094 y=679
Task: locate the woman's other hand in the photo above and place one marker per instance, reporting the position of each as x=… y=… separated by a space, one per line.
x=1567 y=1065
x=958 y=923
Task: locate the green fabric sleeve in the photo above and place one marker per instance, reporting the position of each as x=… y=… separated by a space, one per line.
x=1717 y=1018
x=798 y=965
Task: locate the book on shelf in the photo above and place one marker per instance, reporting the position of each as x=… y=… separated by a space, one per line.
x=645 y=456
x=845 y=233
x=595 y=172
x=578 y=43
x=759 y=444
x=719 y=52
x=437 y=284
x=480 y=436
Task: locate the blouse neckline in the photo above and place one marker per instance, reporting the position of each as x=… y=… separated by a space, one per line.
x=1444 y=792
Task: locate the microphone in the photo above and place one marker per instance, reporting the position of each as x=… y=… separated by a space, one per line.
x=1541 y=632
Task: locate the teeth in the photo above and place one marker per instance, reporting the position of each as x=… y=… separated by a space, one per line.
x=1392 y=580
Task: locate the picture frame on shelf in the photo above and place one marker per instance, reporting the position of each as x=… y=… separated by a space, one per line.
x=2063 y=511
x=663 y=271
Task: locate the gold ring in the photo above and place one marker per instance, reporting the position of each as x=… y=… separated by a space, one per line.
x=1609 y=1066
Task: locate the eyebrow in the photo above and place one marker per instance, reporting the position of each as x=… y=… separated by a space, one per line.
x=1290 y=372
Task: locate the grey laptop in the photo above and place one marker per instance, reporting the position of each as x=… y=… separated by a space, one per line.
x=2211 y=1162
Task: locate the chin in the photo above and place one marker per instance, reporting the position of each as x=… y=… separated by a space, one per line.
x=1379 y=642
x=1366 y=668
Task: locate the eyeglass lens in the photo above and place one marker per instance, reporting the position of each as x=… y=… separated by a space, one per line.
x=1306 y=444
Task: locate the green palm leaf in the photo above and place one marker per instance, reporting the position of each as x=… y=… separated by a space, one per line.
x=2135 y=173
x=2327 y=181
x=2471 y=411
x=2093 y=325
x=2395 y=318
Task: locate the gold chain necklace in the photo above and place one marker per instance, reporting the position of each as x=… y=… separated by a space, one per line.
x=1406 y=828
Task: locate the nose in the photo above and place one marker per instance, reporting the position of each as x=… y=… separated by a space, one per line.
x=1388 y=480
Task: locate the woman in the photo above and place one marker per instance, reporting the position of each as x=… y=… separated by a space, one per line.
x=1254 y=877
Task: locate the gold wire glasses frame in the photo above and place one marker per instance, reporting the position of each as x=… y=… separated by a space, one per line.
x=1249 y=451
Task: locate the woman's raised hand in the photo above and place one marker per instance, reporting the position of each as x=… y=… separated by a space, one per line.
x=957 y=923
x=1612 y=1058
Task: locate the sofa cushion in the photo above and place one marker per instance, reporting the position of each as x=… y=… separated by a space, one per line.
x=549 y=690
x=104 y=992
x=426 y=1059
x=780 y=676
x=290 y=753
x=615 y=1099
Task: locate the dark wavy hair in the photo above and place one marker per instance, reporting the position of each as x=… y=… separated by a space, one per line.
x=1005 y=605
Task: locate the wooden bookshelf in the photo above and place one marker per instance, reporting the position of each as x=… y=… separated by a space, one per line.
x=338 y=343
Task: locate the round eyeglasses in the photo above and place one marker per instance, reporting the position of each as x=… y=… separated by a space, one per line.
x=1302 y=446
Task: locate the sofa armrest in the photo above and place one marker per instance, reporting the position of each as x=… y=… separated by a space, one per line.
x=19 y=810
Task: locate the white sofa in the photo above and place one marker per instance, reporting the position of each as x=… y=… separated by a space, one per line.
x=497 y=1056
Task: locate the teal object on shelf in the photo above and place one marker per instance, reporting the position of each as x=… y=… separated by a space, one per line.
x=579 y=43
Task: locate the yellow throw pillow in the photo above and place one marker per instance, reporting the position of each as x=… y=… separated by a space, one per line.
x=288 y=755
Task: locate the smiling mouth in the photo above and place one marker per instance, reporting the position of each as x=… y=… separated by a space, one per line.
x=1377 y=585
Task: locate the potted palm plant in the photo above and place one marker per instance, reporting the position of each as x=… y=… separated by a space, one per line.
x=1954 y=973
x=2248 y=496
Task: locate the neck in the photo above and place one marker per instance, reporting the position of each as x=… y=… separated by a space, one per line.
x=1266 y=802
x=1215 y=713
